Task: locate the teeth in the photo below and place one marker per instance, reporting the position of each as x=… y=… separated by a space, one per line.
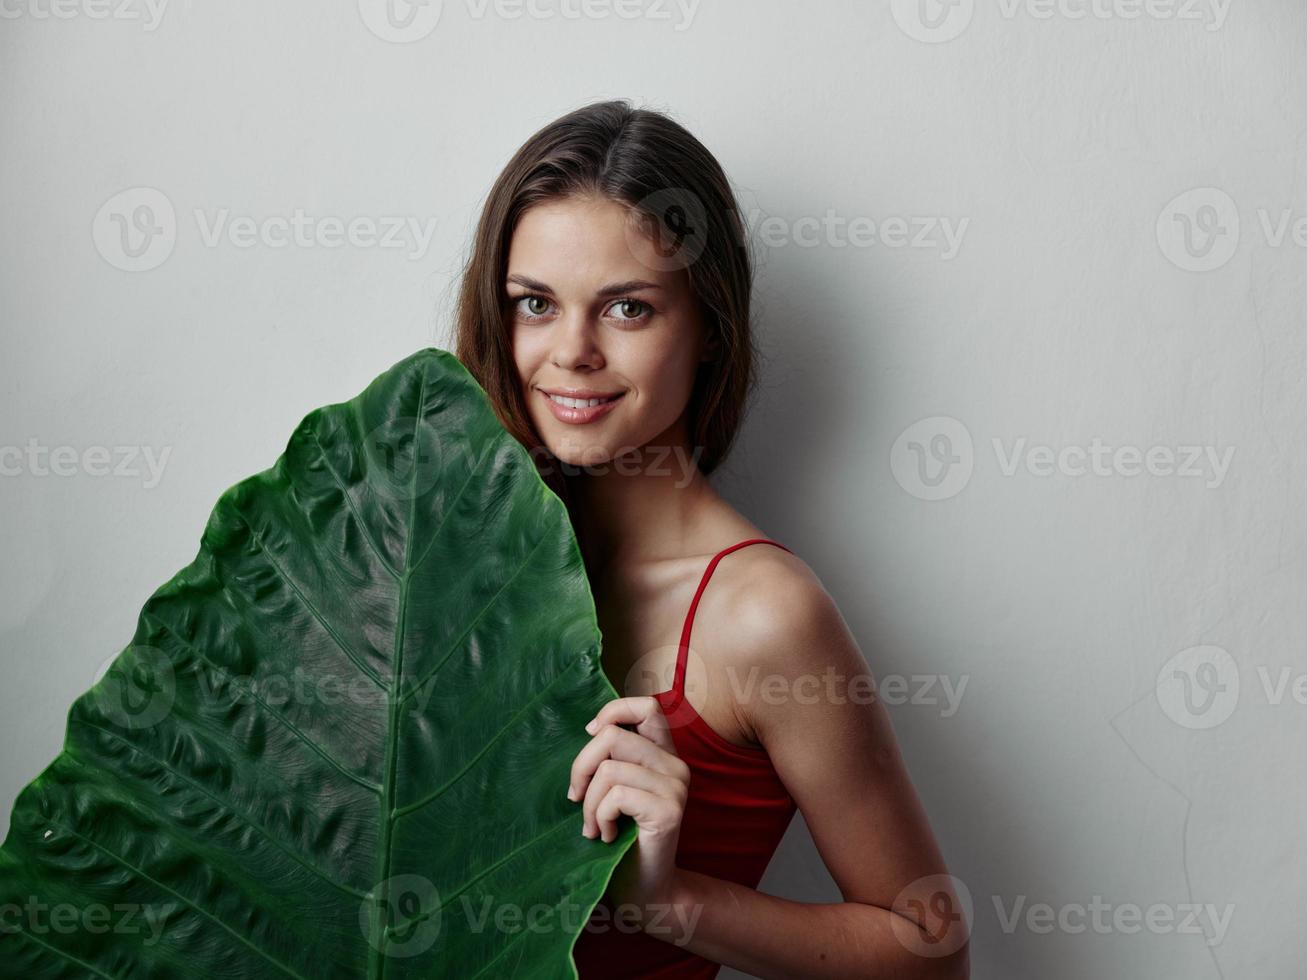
x=579 y=402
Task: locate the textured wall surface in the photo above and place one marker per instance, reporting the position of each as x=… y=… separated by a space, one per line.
x=1030 y=291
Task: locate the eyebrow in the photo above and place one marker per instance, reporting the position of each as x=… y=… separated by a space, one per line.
x=612 y=289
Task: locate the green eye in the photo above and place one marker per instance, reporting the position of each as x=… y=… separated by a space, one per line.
x=531 y=305
x=630 y=309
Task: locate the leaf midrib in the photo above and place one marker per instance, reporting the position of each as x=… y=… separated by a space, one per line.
x=377 y=962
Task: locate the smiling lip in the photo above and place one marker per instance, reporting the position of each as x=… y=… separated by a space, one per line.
x=580 y=416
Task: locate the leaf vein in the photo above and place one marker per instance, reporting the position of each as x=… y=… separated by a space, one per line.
x=475 y=619
x=204 y=912
x=344 y=647
x=164 y=764
x=349 y=502
x=67 y=956
x=571 y=818
x=272 y=712
x=419 y=804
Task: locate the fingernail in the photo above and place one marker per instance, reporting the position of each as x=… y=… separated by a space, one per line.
x=590 y=726
x=571 y=794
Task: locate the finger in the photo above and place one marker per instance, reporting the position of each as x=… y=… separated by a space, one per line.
x=624 y=745
x=617 y=743
x=645 y=713
x=651 y=811
x=612 y=772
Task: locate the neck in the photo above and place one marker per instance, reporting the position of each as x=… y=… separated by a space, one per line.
x=643 y=505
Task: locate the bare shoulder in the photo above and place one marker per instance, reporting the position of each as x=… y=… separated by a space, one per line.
x=778 y=603
x=786 y=630
x=828 y=737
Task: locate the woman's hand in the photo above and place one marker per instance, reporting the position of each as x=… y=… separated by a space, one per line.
x=637 y=773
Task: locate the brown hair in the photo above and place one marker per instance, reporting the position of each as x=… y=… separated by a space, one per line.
x=645 y=160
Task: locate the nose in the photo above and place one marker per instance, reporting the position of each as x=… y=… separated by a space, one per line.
x=575 y=343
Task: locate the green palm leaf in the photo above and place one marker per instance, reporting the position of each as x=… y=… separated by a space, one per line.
x=339 y=743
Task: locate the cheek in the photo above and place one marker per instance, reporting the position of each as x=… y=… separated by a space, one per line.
x=670 y=373
x=662 y=379
x=527 y=356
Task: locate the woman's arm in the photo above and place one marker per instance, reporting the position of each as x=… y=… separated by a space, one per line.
x=837 y=755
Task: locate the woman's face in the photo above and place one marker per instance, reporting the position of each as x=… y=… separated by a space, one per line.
x=592 y=309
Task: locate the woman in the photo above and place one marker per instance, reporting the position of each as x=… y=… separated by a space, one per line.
x=605 y=310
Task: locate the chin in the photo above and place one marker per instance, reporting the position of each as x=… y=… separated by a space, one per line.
x=580 y=453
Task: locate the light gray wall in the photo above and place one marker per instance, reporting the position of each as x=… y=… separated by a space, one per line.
x=1069 y=156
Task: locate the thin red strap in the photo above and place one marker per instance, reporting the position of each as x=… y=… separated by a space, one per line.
x=682 y=652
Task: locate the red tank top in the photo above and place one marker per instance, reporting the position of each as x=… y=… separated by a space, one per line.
x=735 y=815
